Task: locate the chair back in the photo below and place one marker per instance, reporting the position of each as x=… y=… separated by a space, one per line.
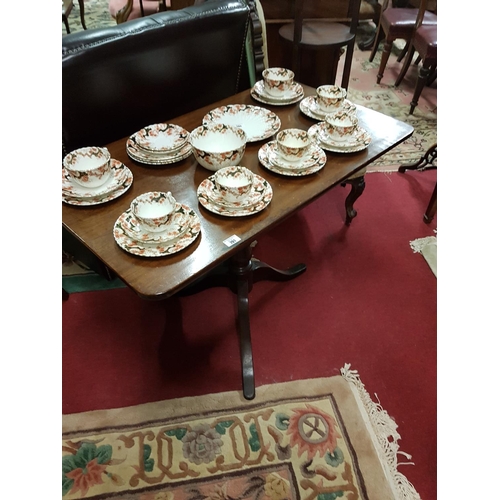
x=118 y=79
x=421 y=12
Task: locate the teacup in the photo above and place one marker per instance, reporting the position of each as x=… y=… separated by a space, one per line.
x=293 y=144
x=330 y=97
x=153 y=210
x=234 y=183
x=340 y=126
x=277 y=81
x=89 y=167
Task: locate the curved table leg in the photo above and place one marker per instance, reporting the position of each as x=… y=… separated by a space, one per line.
x=357 y=188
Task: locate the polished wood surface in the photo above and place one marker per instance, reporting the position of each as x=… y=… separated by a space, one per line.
x=159 y=278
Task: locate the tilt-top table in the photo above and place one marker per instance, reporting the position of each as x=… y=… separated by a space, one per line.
x=227 y=240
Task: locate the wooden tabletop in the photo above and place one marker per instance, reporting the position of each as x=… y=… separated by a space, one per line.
x=158 y=278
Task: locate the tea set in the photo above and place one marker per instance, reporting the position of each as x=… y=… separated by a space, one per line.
x=156 y=224
x=91 y=177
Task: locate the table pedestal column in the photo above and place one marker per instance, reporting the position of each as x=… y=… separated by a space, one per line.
x=239 y=276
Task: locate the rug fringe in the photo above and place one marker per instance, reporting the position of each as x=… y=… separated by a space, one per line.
x=384 y=435
x=418 y=244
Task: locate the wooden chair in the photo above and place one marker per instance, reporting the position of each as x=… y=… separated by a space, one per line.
x=424 y=42
x=396 y=23
x=313 y=33
x=67 y=7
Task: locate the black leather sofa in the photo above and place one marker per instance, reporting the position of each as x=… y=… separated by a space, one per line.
x=118 y=79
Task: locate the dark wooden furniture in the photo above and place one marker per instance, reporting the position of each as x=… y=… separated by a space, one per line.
x=396 y=23
x=426 y=162
x=157 y=279
x=307 y=33
x=67 y=7
x=316 y=66
x=424 y=42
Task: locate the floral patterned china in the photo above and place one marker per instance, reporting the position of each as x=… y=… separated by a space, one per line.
x=218 y=145
x=157 y=248
x=234 y=183
x=258 y=123
x=330 y=97
x=277 y=81
x=295 y=94
x=293 y=144
x=259 y=198
x=358 y=141
x=119 y=182
x=161 y=138
x=310 y=108
x=153 y=210
x=89 y=166
x=148 y=158
x=271 y=159
x=175 y=228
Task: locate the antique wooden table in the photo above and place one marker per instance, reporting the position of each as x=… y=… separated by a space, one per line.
x=159 y=278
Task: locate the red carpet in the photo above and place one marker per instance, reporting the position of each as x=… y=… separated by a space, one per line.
x=365 y=299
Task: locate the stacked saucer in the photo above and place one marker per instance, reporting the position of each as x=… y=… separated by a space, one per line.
x=358 y=140
x=235 y=192
x=119 y=181
x=159 y=144
x=313 y=161
x=291 y=96
x=136 y=238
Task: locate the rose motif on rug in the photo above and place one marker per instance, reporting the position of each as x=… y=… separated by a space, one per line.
x=289 y=450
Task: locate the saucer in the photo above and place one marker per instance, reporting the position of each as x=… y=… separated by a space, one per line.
x=157 y=249
x=259 y=93
x=259 y=198
x=71 y=189
x=361 y=141
x=175 y=228
x=277 y=160
x=161 y=138
x=142 y=156
x=258 y=123
x=99 y=199
x=310 y=108
x=267 y=156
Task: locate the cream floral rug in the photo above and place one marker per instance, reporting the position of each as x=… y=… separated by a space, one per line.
x=312 y=439
x=427 y=247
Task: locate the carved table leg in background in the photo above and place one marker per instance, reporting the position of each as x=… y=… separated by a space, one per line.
x=242 y=272
x=426 y=161
x=357 y=188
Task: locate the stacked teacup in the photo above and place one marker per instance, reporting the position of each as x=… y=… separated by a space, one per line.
x=277 y=87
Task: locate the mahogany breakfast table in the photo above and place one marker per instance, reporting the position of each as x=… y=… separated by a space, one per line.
x=222 y=240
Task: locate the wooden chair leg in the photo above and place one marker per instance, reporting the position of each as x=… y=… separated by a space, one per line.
x=82 y=13
x=357 y=188
x=431 y=207
x=385 y=57
x=423 y=76
x=376 y=43
x=66 y=24
x=406 y=65
x=404 y=51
